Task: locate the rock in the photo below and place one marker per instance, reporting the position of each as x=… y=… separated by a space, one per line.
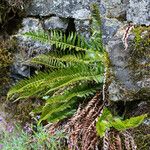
x=75 y=8
x=127 y=84
x=109 y=28
x=83 y=27
x=81 y=14
x=139 y=12
x=56 y=23
x=114 y=8
x=27 y=47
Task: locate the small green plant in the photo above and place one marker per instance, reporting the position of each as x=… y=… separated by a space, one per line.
x=107 y=121
x=76 y=71
x=32 y=137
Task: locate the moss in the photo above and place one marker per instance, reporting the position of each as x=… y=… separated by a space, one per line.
x=142 y=137
x=6 y=59
x=139 y=61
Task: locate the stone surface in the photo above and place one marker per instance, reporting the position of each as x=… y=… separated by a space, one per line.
x=139 y=12
x=114 y=8
x=109 y=28
x=56 y=23
x=73 y=8
x=83 y=27
x=27 y=47
x=127 y=85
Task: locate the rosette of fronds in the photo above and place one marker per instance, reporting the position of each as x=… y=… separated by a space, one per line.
x=74 y=71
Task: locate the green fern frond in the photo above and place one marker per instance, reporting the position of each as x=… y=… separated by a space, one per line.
x=49 y=82
x=96 y=19
x=57 y=38
x=77 y=91
x=60 y=103
x=96 y=37
x=74 y=64
x=52 y=61
x=55 y=117
x=48 y=110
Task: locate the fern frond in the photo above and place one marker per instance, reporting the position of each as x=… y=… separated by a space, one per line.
x=77 y=91
x=57 y=104
x=96 y=37
x=50 y=110
x=53 y=61
x=55 y=117
x=45 y=83
x=57 y=38
x=96 y=19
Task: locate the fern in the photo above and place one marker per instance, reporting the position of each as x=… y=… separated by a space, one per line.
x=60 y=40
x=45 y=83
x=73 y=66
x=107 y=120
x=57 y=62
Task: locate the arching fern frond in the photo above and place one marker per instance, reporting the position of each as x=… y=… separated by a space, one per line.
x=60 y=40
x=52 y=61
x=75 y=62
x=45 y=83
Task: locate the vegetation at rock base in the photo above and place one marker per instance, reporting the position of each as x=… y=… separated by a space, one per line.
x=15 y=138
x=75 y=72
x=6 y=59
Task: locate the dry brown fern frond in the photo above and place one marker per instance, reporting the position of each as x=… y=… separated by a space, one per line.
x=129 y=141
x=82 y=126
x=112 y=141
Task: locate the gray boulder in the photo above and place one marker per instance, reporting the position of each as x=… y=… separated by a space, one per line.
x=131 y=78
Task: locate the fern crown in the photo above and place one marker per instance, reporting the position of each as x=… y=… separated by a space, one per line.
x=74 y=71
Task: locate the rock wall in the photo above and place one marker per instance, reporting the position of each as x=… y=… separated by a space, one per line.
x=118 y=18
x=126 y=35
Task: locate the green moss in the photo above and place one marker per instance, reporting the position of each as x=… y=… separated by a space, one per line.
x=140 y=52
x=6 y=59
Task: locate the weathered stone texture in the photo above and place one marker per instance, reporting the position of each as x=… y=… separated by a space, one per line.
x=64 y=8
x=55 y=14
x=114 y=8
x=139 y=12
x=129 y=68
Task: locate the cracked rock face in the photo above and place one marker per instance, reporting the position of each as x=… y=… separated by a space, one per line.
x=114 y=8
x=73 y=8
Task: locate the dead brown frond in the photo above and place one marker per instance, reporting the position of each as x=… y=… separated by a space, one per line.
x=129 y=141
x=114 y=140
x=82 y=126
